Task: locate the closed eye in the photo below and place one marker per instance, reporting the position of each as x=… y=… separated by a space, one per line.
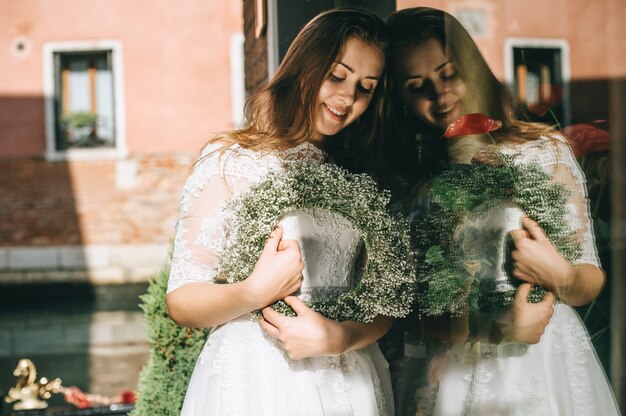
x=335 y=78
x=414 y=86
x=366 y=90
x=449 y=76
x=448 y=72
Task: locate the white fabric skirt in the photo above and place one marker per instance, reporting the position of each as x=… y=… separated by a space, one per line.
x=243 y=372
x=560 y=375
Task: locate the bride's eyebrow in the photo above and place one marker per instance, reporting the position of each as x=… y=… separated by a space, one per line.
x=349 y=68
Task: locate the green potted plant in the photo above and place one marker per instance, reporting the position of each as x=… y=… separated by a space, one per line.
x=79 y=126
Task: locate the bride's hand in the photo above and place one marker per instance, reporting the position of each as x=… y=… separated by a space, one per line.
x=278 y=272
x=307 y=335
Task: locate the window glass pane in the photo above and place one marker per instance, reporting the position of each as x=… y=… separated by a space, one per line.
x=104 y=100
x=86 y=108
x=78 y=85
x=565 y=70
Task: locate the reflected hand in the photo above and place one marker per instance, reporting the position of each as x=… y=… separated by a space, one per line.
x=437 y=367
x=537 y=261
x=525 y=322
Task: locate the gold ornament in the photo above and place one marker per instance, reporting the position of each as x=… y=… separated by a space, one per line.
x=28 y=392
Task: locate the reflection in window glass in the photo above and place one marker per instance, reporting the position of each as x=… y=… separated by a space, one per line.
x=539 y=83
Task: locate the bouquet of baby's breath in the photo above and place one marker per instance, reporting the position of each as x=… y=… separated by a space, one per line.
x=449 y=282
x=386 y=285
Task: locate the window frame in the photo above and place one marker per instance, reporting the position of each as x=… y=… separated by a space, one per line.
x=562 y=44
x=120 y=150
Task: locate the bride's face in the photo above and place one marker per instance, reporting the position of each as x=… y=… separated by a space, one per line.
x=429 y=84
x=349 y=86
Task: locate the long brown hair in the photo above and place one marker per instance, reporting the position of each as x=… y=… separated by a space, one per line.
x=484 y=93
x=409 y=28
x=282 y=113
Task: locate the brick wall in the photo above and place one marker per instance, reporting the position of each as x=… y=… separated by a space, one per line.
x=99 y=221
x=255 y=49
x=105 y=202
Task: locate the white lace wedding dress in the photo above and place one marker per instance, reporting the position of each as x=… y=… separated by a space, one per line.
x=559 y=376
x=240 y=370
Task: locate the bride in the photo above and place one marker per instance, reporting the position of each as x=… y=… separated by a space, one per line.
x=327 y=91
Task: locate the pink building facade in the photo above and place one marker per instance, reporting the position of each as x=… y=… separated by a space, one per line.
x=103 y=107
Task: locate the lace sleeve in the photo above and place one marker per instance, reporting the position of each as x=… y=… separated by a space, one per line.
x=202 y=227
x=557 y=158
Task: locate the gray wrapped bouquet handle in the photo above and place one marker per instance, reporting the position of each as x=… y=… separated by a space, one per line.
x=485 y=247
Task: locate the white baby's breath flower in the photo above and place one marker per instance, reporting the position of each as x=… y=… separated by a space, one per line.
x=387 y=284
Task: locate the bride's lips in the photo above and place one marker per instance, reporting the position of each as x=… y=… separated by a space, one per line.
x=444 y=112
x=335 y=113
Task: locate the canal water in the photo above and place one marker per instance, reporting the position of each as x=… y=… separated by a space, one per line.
x=92 y=337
